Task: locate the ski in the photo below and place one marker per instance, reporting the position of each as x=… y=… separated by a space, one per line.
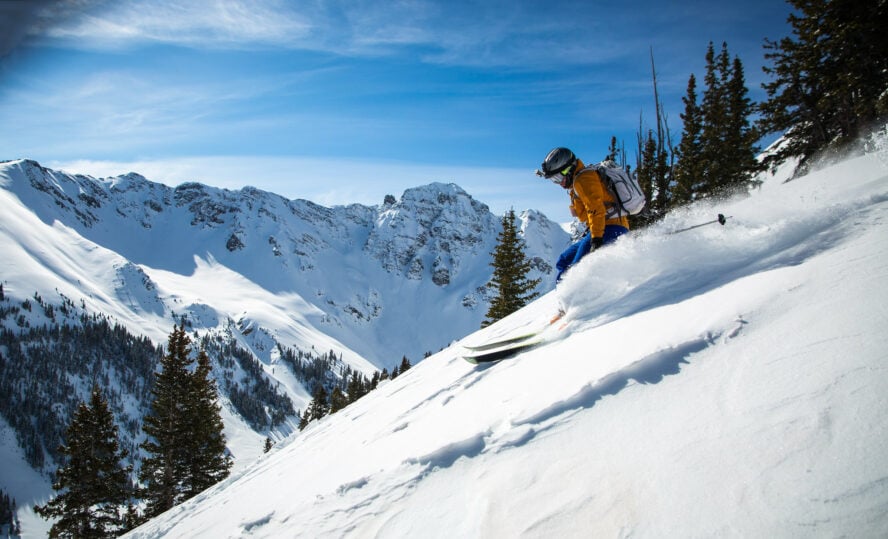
x=500 y=342
x=502 y=349
x=506 y=347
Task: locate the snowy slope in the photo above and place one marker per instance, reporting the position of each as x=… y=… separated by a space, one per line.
x=728 y=381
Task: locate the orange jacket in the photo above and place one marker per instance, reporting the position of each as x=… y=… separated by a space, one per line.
x=589 y=200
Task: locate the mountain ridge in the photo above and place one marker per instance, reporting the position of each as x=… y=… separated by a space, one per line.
x=435 y=233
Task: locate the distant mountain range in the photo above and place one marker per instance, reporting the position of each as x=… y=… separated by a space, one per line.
x=367 y=285
x=402 y=278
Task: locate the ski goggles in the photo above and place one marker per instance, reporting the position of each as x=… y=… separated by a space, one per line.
x=557 y=177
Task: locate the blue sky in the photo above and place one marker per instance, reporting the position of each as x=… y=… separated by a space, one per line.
x=347 y=101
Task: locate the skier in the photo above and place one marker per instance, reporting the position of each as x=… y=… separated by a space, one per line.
x=590 y=202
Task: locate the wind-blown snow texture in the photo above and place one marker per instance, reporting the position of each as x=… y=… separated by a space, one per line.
x=728 y=381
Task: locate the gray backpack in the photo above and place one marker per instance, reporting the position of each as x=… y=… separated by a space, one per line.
x=623 y=187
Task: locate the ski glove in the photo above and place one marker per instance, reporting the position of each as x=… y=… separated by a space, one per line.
x=597 y=242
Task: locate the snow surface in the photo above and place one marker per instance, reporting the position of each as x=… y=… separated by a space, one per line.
x=726 y=381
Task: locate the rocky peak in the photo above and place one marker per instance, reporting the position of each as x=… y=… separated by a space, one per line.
x=429 y=231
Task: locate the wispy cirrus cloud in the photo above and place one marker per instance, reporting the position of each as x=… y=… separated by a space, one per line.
x=219 y=23
x=493 y=34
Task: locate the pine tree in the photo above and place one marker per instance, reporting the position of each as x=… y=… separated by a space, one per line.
x=829 y=79
x=646 y=173
x=319 y=407
x=338 y=400
x=132 y=517
x=717 y=151
x=405 y=364
x=740 y=136
x=513 y=289
x=616 y=153
x=185 y=441
x=304 y=419
x=95 y=484
x=713 y=110
x=207 y=461
x=689 y=171
x=7 y=511
x=166 y=425
x=356 y=387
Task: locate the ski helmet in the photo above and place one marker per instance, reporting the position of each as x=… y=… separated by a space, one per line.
x=558 y=165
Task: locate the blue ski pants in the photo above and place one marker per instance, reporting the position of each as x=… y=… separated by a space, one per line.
x=583 y=246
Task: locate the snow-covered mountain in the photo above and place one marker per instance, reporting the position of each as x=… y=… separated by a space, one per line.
x=376 y=283
x=726 y=381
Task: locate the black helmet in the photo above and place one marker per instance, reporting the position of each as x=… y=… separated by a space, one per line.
x=557 y=161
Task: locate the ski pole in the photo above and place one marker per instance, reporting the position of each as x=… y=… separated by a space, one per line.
x=720 y=220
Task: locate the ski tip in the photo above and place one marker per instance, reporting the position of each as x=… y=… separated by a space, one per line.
x=558 y=316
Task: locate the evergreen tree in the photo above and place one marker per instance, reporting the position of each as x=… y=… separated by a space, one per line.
x=319 y=407
x=616 y=153
x=207 y=461
x=740 y=136
x=132 y=517
x=513 y=289
x=713 y=110
x=405 y=364
x=95 y=484
x=646 y=174
x=185 y=430
x=338 y=400
x=356 y=387
x=689 y=171
x=166 y=425
x=10 y=526
x=829 y=80
x=6 y=510
x=717 y=151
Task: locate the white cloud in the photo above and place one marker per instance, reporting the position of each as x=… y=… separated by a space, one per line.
x=487 y=34
x=217 y=23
